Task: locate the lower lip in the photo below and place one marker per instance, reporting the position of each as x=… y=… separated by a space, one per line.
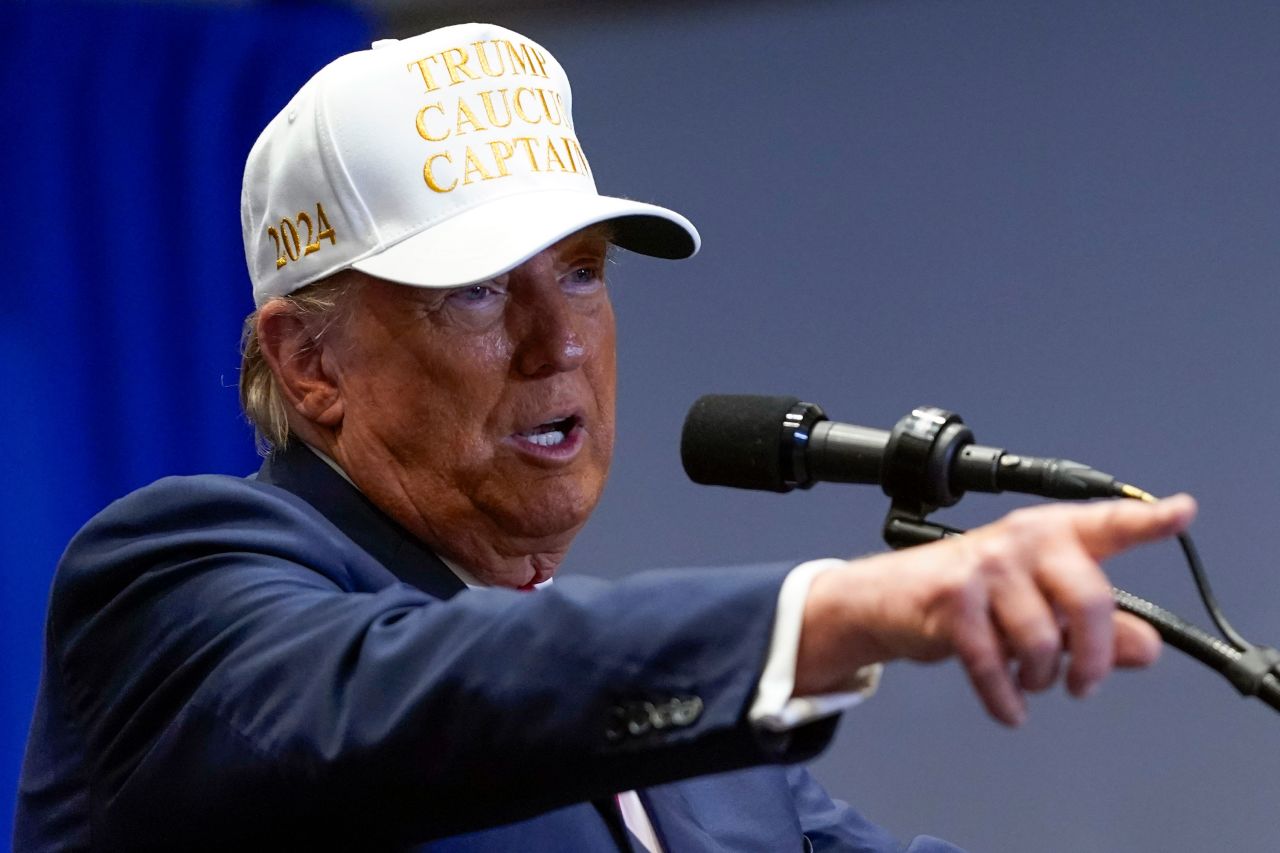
x=562 y=452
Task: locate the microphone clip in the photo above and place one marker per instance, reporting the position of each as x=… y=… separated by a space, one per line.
x=916 y=474
x=905 y=526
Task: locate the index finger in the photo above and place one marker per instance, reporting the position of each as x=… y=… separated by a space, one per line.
x=1109 y=527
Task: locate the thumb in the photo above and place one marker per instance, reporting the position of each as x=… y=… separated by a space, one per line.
x=1136 y=643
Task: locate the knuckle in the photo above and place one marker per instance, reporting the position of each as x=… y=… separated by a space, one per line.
x=965 y=593
x=1023 y=532
x=956 y=582
x=1040 y=643
x=1092 y=602
x=979 y=658
x=1090 y=669
x=1111 y=519
x=1041 y=517
x=984 y=669
x=993 y=558
x=1119 y=510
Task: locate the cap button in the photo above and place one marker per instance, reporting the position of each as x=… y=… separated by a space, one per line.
x=381 y=43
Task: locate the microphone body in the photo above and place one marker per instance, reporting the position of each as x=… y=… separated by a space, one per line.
x=780 y=443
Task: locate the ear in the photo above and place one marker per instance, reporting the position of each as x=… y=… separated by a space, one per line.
x=304 y=368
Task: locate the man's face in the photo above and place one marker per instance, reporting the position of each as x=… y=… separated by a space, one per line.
x=482 y=418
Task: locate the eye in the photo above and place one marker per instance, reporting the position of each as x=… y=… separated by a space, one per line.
x=475 y=295
x=585 y=278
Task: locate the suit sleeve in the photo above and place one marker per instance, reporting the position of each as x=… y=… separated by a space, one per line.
x=832 y=825
x=231 y=664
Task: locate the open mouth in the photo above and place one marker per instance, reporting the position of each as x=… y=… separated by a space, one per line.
x=551 y=433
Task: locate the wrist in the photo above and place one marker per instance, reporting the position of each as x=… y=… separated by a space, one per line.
x=837 y=637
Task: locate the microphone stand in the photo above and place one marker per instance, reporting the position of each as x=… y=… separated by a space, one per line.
x=915 y=477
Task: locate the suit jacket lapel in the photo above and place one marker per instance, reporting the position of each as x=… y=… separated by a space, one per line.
x=297 y=469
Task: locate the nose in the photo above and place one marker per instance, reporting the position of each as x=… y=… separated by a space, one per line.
x=550 y=340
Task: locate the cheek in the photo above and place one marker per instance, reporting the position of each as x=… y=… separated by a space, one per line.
x=456 y=386
x=428 y=416
x=603 y=346
x=603 y=376
x=603 y=437
x=448 y=428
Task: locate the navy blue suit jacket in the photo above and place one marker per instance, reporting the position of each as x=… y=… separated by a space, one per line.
x=272 y=663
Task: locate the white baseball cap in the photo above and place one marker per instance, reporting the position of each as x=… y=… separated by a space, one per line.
x=440 y=160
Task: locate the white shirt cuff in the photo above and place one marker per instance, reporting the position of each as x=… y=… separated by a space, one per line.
x=774 y=707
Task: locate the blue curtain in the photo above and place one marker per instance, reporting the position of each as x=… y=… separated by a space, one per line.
x=124 y=134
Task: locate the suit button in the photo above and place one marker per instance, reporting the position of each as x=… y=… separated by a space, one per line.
x=638 y=719
x=685 y=711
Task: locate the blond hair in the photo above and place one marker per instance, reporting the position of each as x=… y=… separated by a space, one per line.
x=320 y=305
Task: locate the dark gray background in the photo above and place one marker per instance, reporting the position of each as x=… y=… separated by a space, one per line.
x=1056 y=218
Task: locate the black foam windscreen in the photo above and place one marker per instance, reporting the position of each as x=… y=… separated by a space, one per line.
x=737 y=440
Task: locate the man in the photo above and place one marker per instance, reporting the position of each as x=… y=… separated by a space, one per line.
x=294 y=660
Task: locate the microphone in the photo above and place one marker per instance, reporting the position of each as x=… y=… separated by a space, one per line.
x=927 y=461
x=781 y=443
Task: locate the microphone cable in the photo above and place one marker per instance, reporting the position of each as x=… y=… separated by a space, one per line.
x=1252 y=669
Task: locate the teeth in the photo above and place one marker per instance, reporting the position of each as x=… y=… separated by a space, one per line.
x=546 y=439
x=550 y=433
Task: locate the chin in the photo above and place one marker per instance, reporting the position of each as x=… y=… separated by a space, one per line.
x=546 y=512
x=548 y=523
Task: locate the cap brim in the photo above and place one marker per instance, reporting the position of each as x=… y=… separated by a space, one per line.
x=491 y=238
